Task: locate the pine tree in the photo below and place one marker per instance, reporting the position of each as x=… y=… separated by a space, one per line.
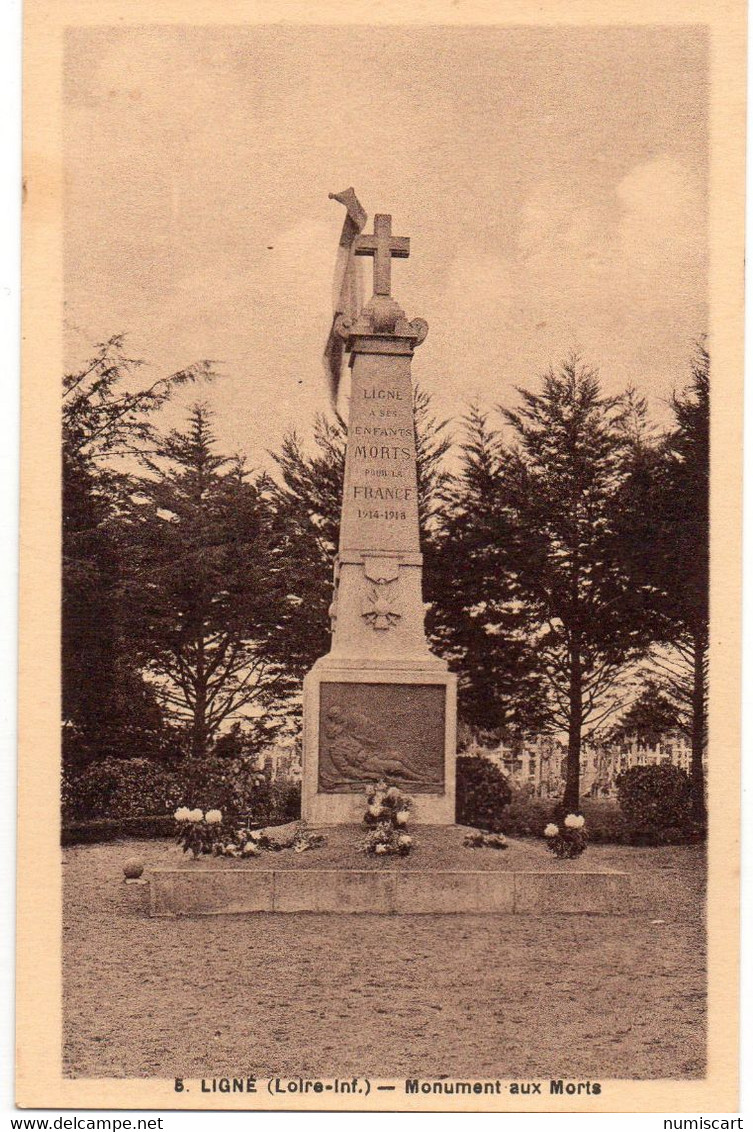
x=677 y=563
x=108 y=709
x=204 y=568
x=476 y=622
x=563 y=498
x=649 y=717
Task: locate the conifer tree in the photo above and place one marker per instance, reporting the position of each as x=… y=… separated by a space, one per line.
x=205 y=570
x=563 y=480
x=477 y=622
x=107 y=425
x=676 y=563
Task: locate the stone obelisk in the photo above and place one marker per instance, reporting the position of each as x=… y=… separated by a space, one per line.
x=379 y=705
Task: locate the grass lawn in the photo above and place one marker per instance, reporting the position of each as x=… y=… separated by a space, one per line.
x=580 y=997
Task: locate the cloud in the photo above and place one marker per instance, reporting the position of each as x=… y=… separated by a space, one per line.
x=662 y=211
x=661 y=244
x=554 y=221
x=618 y=272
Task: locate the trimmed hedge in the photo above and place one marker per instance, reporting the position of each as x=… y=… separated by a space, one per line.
x=110 y=829
x=119 y=788
x=137 y=797
x=142 y=829
x=526 y=816
x=606 y=824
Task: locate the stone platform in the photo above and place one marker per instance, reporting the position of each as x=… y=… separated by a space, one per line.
x=180 y=892
x=439 y=877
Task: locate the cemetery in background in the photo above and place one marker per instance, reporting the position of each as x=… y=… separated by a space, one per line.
x=540 y=763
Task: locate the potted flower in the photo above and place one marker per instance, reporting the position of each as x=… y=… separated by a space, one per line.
x=196 y=831
x=568 y=840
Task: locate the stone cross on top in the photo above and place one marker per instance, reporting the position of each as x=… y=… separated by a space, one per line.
x=382 y=246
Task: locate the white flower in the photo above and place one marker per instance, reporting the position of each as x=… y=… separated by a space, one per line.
x=250 y=849
x=381 y=849
x=195 y=815
x=574 y=821
x=213 y=817
x=183 y=814
x=255 y=835
x=401 y=817
x=375 y=809
x=405 y=839
x=551 y=830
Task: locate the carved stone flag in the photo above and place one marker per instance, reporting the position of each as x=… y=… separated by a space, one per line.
x=347 y=291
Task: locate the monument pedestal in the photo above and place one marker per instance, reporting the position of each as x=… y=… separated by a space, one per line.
x=379 y=705
x=407 y=715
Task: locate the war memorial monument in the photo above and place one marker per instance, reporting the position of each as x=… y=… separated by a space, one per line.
x=379 y=705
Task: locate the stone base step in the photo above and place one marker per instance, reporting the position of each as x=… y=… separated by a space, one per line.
x=206 y=892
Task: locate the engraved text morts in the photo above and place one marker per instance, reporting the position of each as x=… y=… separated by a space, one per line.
x=379 y=704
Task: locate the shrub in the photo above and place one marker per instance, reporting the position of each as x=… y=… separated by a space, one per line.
x=232 y=785
x=656 y=805
x=605 y=822
x=526 y=815
x=284 y=801
x=482 y=793
x=118 y=788
x=141 y=790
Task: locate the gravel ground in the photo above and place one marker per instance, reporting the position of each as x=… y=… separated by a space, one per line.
x=580 y=997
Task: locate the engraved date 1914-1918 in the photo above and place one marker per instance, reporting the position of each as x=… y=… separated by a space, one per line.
x=375 y=513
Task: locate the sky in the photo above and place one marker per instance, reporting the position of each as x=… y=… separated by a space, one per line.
x=553 y=183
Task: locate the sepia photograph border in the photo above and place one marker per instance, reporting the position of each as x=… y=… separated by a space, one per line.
x=39 y=1076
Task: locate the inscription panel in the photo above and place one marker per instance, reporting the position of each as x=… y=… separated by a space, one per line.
x=373 y=731
x=380 y=494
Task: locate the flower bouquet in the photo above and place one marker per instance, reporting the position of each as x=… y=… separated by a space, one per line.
x=385 y=840
x=240 y=843
x=387 y=804
x=570 y=840
x=478 y=839
x=386 y=816
x=252 y=843
x=305 y=839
